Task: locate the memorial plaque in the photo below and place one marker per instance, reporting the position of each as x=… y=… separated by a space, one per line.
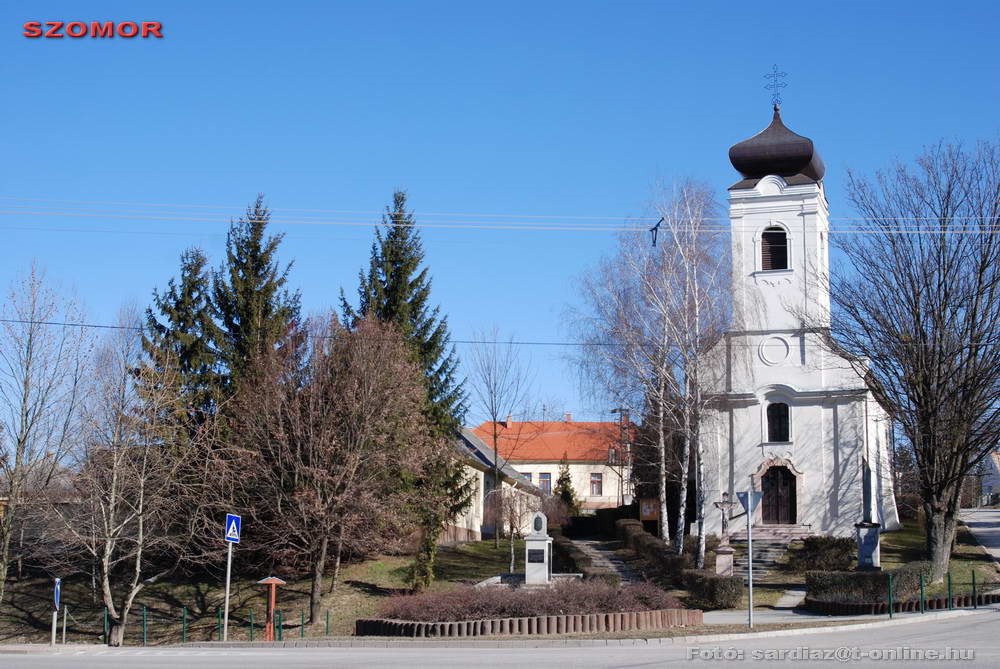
x=536 y=556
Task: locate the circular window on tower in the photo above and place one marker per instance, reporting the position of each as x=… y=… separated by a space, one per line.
x=773 y=350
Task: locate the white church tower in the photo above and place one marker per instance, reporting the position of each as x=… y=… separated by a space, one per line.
x=792 y=419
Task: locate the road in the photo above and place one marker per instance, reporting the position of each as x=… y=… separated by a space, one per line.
x=985 y=527
x=971 y=640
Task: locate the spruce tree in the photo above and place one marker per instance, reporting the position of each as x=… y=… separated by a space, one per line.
x=396 y=289
x=180 y=332
x=252 y=305
x=564 y=488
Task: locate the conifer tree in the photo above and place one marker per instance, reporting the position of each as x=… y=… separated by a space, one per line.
x=180 y=332
x=564 y=488
x=396 y=289
x=252 y=305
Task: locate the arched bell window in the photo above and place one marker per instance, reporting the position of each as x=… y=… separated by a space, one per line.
x=777 y=422
x=774 y=249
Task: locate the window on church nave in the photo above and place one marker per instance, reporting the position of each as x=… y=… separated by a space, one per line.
x=774 y=249
x=777 y=422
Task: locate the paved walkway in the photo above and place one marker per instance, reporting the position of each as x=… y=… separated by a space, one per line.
x=985 y=527
x=604 y=557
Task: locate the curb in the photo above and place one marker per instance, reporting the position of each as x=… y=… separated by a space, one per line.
x=398 y=642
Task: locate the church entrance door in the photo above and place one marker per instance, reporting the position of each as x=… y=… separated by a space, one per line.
x=778 y=503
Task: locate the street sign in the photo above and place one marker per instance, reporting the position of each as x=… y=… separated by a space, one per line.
x=749 y=500
x=56 y=594
x=232 y=529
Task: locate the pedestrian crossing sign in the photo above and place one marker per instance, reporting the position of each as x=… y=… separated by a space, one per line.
x=232 y=528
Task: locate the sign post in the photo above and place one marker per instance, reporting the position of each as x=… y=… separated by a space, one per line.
x=56 y=595
x=749 y=500
x=231 y=533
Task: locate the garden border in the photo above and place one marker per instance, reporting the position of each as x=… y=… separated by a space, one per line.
x=585 y=623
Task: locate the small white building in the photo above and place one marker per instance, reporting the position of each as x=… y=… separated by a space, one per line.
x=477 y=459
x=792 y=418
x=597 y=455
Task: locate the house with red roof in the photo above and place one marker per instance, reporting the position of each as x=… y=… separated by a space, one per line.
x=597 y=454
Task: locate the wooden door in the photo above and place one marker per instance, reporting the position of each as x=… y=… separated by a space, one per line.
x=778 y=503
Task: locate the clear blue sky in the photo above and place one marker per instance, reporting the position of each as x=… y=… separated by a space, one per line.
x=514 y=109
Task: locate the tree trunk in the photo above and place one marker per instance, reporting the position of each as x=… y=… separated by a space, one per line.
x=940 y=522
x=511 y=548
x=116 y=634
x=336 y=561
x=316 y=593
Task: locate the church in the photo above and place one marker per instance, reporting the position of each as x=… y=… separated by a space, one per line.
x=790 y=417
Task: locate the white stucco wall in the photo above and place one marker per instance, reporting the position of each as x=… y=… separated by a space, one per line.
x=580 y=475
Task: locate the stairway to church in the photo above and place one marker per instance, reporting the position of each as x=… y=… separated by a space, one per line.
x=770 y=543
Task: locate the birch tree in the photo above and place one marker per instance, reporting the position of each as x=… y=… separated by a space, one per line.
x=652 y=313
x=42 y=362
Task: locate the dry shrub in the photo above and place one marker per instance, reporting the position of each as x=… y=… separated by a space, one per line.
x=569 y=597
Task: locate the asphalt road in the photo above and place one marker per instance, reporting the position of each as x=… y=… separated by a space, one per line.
x=985 y=527
x=970 y=641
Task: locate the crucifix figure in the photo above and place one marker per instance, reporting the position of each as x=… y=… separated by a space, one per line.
x=775 y=85
x=725 y=506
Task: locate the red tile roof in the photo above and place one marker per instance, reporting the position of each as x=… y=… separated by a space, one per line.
x=550 y=441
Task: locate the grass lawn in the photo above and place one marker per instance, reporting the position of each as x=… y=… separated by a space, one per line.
x=25 y=614
x=907 y=545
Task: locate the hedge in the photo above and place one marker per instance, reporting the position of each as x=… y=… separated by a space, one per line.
x=708 y=590
x=662 y=558
x=865 y=587
x=823 y=553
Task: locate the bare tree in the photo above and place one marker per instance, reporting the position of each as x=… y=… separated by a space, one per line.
x=919 y=314
x=500 y=388
x=652 y=314
x=334 y=426
x=42 y=361
x=116 y=502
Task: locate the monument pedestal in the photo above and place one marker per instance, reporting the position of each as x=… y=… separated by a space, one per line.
x=538 y=552
x=869 y=554
x=724 y=560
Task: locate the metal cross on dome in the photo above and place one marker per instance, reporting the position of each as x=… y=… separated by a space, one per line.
x=775 y=85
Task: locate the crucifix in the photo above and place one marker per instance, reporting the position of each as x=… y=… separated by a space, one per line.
x=775 y=85
x=725 y=506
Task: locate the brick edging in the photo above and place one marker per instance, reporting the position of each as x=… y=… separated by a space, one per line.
x=586 y=623
x=910 y=605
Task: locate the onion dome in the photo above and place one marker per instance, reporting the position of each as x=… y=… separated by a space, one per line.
x=779 y=151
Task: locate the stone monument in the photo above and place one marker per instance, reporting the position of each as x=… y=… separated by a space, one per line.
x=538 y=552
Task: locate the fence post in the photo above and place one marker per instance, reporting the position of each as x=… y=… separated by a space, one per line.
x=251 y=625
x=951 y=602
x=218 y=623
x=106 y=630
x=328 y=617
x=302 y=625
x=145 y=626
x=281 y=632
x=65 y=615
x=890 y=594
x=923 y=605
x=184 y=624
x=975 y=597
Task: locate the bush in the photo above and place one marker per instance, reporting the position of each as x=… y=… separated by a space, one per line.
x=822 y=553
x=909 y=506
x=865 y=587
x=708 y=590
x=568 y=597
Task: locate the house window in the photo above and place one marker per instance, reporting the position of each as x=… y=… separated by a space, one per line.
x=545 y=483
x=527 y=475
x=596 y=485
x=774 y=249
x=777 y=422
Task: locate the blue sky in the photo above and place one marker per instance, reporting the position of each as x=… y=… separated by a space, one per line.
x=503 y=109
